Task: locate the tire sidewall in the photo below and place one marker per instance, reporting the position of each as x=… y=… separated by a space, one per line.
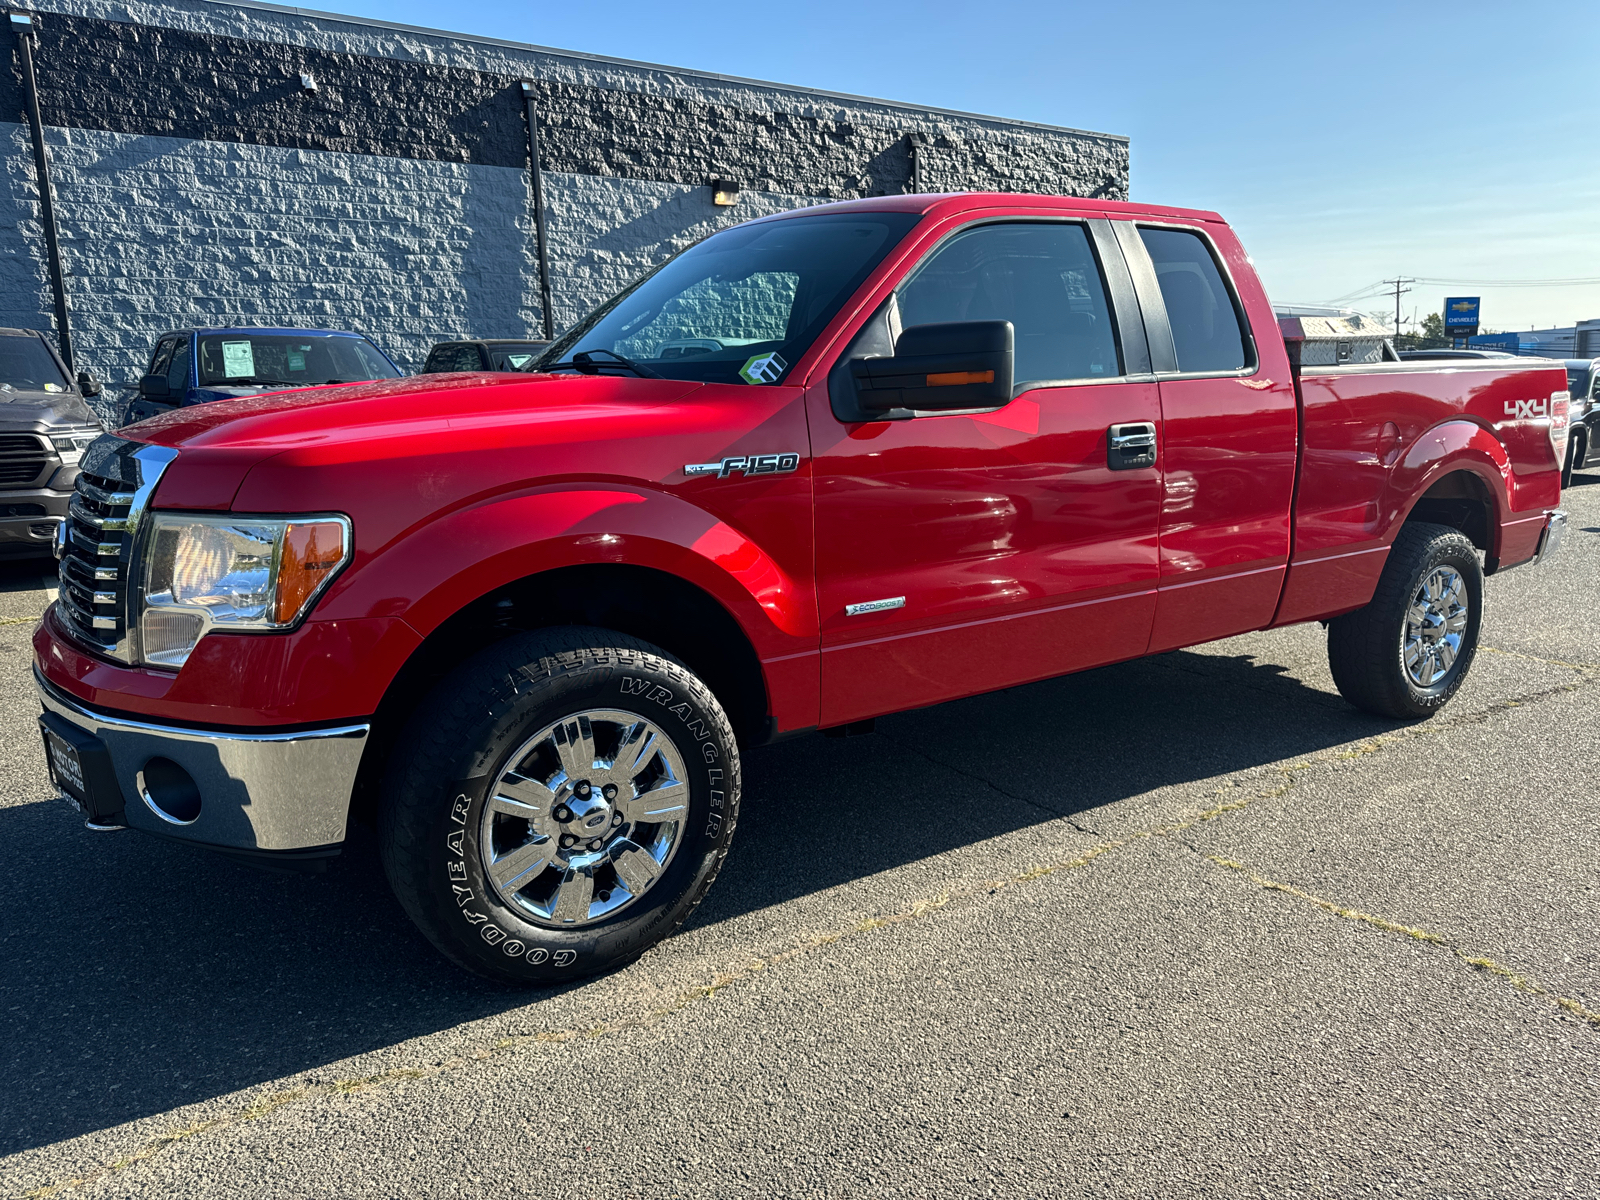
x=492 y=934
x=1454 y=552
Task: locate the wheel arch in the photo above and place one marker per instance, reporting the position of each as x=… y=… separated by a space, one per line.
x=1456 y=474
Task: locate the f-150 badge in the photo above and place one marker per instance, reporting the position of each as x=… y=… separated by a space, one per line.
x=754 y=464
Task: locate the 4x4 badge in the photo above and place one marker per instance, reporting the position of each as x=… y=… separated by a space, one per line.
x=754 y=464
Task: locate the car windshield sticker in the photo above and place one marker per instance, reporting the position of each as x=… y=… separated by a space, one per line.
x=519 y=360
x=297 y=358
x=237 y=359
x=54 y=387
x=763 y=368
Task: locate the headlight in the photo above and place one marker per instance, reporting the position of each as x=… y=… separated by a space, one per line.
x=238 y=573
x=70 y=446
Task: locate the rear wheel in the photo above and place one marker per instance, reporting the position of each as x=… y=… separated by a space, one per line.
x=561 y=804
x=1405 y=654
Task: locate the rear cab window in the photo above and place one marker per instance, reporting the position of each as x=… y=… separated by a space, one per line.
x=444 y=359
x=1208 y=332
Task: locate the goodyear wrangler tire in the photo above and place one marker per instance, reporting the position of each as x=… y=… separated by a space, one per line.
x=559 y=805
x=1405 y=654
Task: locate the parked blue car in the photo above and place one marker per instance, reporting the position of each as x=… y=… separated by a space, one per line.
x=192 y=366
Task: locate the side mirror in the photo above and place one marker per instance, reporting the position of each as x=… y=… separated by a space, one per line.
x=937 y=368
x=88 y=385
x=154 y=387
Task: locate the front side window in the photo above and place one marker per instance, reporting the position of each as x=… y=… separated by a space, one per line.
x=292 y=360
x=1205 y=324
x=163 y=356
x=26 y=365
x=178 y=366
x=1043 y=278
x=740 y=307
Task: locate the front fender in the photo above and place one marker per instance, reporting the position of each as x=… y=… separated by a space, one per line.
x=432 y=571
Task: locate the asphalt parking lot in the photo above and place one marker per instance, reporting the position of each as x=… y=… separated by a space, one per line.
x=1184 y=926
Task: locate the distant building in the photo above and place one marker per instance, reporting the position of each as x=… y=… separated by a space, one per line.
x=1572 y=341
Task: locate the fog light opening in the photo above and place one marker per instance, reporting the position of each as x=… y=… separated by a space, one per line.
x=170 y=791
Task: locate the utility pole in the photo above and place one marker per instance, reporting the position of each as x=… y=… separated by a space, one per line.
x=1399 y=290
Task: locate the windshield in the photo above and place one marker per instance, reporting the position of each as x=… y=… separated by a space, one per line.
x=26 y=365
x=739 y=307
x=298 y=360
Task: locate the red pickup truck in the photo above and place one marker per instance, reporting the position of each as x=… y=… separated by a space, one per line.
x=842 y=462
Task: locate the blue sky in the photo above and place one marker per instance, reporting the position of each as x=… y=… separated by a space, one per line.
x=1347 y=143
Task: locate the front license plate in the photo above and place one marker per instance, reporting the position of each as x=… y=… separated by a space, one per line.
x=66 y=769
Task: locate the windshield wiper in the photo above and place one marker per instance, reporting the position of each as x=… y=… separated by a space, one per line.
x=584 y=361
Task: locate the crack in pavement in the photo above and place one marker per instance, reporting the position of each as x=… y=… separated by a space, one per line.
x=1478 y=962
x=506 y=1047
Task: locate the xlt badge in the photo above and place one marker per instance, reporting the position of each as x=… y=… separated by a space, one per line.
x=754 y=464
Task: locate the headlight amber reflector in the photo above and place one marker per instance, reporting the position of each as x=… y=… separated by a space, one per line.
x=246 y=574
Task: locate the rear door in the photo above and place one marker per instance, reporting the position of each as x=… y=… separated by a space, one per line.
x=1230 y=432
x=959 y=553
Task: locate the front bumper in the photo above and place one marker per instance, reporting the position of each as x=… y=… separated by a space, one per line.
x=28 y=520
x=258 y=791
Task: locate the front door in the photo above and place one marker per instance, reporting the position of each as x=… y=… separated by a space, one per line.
x=959 y=553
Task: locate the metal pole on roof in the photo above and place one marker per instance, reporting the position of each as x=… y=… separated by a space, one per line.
x=540 y=237
x=23 y=25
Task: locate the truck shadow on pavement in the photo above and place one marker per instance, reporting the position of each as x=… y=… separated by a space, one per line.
x=140 y=975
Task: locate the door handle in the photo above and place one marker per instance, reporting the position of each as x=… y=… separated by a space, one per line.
x=1131 y=446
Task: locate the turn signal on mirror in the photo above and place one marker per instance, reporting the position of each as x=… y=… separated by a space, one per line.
x=957 y=378
x=310 y=550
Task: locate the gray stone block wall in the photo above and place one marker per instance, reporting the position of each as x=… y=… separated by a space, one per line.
x=197 y=184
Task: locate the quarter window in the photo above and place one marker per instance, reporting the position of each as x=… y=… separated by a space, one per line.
x=1205 y=324
x=1043 y=278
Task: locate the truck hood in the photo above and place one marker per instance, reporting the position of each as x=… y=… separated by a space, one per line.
x=35 y=412
x=220 y=441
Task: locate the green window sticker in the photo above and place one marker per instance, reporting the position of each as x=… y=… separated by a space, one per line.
x=763 y=368
x=297 y=360
x=238 y=359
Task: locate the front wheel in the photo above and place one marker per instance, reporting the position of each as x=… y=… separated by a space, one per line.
x=560 y=804
x=1405 y=654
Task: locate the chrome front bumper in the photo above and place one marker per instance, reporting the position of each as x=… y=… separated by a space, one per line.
x=1555 y=528
x=261 y=791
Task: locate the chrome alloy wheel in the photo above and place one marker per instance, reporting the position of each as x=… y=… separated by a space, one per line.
x=584 y=818
x=1436 y=621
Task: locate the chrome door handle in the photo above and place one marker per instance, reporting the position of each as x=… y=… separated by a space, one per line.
x=1131 y=446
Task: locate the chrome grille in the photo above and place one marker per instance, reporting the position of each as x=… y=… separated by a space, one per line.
x=99 y=555
x=22 y=458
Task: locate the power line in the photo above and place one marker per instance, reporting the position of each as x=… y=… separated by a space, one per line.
x=1384 y=287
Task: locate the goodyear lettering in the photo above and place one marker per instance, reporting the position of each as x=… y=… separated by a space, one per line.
x=458 y=810
x=708 y=752
x=491 y=934
x=457 y=870
x=714 y=825
x=716 y=798
x=537 y=955
x=680 y=710
x=513 y=947
x=661 y=695
x=714 y=776
x=475 y=918
x=564 y=958
x=453 y=839
x=632 y=686
x=462 y=894
x=698 y=728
